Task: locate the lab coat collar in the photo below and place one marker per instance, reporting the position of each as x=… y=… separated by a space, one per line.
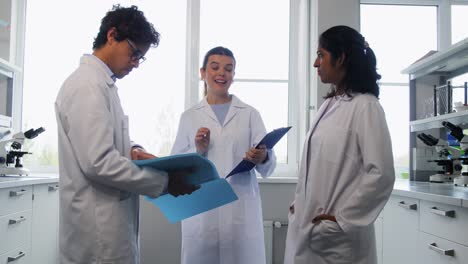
x=95 y=62
x=236 y=105
x=345 y=97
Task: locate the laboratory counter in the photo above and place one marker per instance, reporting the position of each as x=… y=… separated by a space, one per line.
x=33 y=179
x=445 y=193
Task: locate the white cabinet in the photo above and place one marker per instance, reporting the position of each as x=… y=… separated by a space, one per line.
x=447 y=221
x=400 y=230
x=29 y=224
x=443 y=236
x=17 y=256
x=421 y=231
x=45 y=224
x=15 y=223
x=436 y=250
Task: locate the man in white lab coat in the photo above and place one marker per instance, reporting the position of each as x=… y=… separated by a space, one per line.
x=346 y=173
x=99 y=184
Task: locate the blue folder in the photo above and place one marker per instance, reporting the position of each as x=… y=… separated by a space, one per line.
x=214 y=192
x=269 y=140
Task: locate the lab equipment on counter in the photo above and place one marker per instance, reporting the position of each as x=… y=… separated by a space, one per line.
x=11 y=151
x=214 y=191
x=457 y=133
x=448 y=159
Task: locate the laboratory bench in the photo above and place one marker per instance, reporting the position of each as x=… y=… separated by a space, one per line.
x=29 y=219
x=445 y=193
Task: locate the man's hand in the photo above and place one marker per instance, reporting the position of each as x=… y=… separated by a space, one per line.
x=256 y=155
x=138 y=153
x=177 y=184
x=202 y=140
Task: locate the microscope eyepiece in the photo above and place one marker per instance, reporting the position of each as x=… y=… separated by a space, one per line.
x=455 y=131
x=32 y=133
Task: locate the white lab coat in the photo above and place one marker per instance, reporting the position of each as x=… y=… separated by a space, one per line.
x=233 y=233
x=347 y=171
x=99 y=184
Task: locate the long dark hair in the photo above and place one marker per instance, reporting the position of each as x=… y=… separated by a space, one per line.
x=216 y=51
x=359 y=60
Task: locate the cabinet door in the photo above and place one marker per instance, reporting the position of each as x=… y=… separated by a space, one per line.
x=447 y=221
x=436 y=250
x=45 y=224
x=19 y=255
x=400 y=230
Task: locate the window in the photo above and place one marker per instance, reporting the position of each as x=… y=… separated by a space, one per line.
x=262 y=58
x=459 y=28
x=152 y=95
x=396 y=46
x=265 y=60
x=156 y=93
x=459 y=33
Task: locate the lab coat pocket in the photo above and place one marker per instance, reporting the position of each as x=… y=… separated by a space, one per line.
x=328 y=240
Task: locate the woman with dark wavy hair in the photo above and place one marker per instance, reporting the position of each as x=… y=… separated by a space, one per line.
x=346 y=173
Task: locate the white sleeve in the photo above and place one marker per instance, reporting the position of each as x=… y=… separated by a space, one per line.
x=88 y=126
x=182 y=142
x=368 y=200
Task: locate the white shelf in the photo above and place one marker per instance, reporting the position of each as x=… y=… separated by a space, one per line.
x=456 y=118
x=453 y=59
x=6 y=68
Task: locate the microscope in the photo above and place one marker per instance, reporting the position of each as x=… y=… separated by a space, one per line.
x=457 y=133
x=11 y=151
x=448 y=159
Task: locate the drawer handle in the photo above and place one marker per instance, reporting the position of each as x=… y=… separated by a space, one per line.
x=449 y=213
x=20 y=255
x=408 y=206
x=445 y=252
x=17 y=193
x=16 y=221
x=53 y=188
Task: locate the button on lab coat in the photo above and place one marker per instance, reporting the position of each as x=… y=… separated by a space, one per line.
x=346 y=170
x=99 y=184
x=233 y=233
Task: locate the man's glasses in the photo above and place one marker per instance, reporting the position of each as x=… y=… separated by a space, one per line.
x=136 y=53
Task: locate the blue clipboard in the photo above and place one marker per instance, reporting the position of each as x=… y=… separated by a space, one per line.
x=214 y=192
x=269 y=140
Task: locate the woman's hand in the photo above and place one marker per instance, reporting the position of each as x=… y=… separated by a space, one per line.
x=321 y=217
x=138 y=153
x=202 y=140
x=257 y=155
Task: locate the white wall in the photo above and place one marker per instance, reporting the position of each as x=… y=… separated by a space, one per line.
x=160 y=241
x=328 y=13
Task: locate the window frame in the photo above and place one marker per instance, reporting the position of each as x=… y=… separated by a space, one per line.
x=298 y=76
x=444 y=25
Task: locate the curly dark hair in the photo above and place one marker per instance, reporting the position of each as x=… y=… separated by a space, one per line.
x=360 y=61
x=130 y=23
